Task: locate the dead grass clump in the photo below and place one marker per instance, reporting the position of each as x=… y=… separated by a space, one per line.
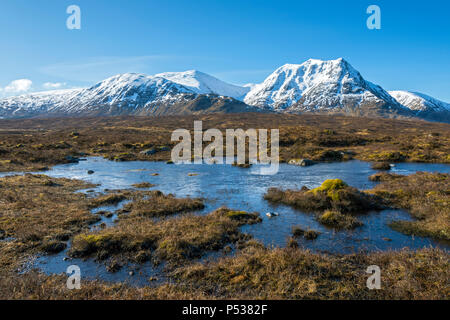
x=157 y=204
x=143 y=185
x=308 y=234
x=381 y=166
x=108 y=199
x=337 y=220
x=384 y=176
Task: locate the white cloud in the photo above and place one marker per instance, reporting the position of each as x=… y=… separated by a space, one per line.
x=54 y=85
x=18 y=86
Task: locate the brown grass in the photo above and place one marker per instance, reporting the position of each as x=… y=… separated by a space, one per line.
x=176 y=240
x=425 y=196
x=39 y=213
x=157 y=204
x=35 y=144
x=261 y=273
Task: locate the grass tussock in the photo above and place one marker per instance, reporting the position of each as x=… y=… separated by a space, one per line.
x=157 y=204
x=143 y=185
x=175 y=240
x=108 y=199
x=381 y=166
x=384 y=176
x=308 y=234
x=337 y=220
x=425 y=196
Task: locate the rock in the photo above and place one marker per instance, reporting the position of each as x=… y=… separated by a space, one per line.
x=272 y=214
x=301 y=162
x=131 y=273
x=71 y=159
x=90 y=172
x=149 y=152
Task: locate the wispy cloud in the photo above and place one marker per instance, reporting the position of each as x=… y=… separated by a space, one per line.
x=54 y=85
x=98 y=68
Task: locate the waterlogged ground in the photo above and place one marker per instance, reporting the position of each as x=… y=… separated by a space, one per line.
x=243 y=189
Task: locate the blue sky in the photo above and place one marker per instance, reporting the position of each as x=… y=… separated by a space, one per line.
x=237 y=41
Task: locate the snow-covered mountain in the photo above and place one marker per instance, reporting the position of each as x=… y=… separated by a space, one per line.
x=332 y=86
x=322 y=86
x=128 y=94
x=423 y=105
x=203 y=83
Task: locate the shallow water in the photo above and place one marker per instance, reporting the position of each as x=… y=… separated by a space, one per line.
x=243 y=189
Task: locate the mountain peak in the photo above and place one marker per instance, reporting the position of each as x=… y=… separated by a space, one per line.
x=290 y=82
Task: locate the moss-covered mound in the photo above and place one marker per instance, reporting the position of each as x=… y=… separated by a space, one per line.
x=333 y=194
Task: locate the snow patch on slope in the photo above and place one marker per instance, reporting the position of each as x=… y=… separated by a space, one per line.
x=203 y=83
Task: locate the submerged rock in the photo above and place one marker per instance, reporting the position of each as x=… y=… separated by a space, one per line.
x=272 y=214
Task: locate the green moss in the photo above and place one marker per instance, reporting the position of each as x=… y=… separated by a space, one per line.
x=335 y=219
x=232 y=214
x=331 y=186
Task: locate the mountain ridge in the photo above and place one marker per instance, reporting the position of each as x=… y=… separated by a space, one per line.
x=317 y=86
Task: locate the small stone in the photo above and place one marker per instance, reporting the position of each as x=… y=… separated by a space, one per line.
x=149 y=152
x=90 y=172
